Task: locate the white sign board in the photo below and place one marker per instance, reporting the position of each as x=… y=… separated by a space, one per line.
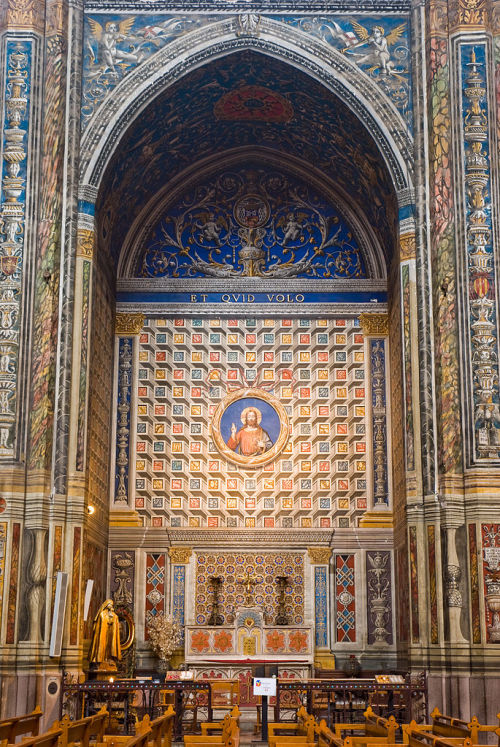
x=264 y=685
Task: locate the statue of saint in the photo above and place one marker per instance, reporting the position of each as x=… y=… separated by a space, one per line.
x=250 y=440
x=105 y=645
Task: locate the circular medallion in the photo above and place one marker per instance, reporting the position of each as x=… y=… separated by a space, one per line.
x=251 y=211
x=250 y=428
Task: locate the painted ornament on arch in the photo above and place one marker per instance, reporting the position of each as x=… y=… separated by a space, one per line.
x=250 y=427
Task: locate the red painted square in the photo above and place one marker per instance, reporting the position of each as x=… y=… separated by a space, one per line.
x=161 y=355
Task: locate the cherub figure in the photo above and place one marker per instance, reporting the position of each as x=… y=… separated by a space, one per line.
x=291 y=230
x=108 y=53
x=379 y=55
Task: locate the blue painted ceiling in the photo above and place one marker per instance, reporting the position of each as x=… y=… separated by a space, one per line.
x=212 y=110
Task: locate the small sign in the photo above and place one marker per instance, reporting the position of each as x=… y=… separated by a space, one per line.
x=264 y=685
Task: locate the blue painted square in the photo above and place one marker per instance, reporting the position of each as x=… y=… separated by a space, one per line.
x=322 y=338
x=157 y=501
x=214 y=338
x=195 y=427
x=324 y=503
x=141 y=427
x=286 y=357
x=194 y=483
x=161 y=338
x=196 y=373
x=359 y=374
x=197 y=323
x=305 y=323
x=304 y=374
x=178 y=356
x=140 y=483
x=341 y=356
x=306 y=484
x=232 y=356
x=323 y=392
x=175 y=521
x=177 y=409
x=158 y=447
x=159 y=391
x=268 y=338
x=324 y=447
x=143 y=373
x=176 y=465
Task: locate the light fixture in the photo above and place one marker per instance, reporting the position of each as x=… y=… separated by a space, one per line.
x=90 y=509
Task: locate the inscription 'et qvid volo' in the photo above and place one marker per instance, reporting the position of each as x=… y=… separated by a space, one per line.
x=483 y=325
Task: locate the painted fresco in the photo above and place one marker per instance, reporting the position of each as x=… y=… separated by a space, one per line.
x=116 y=44
x=251 y=221
x=443 y=249
x=181 y=126
x=431 y=550
x=311 y=370
x=46 y=312
x=490 y=535
x=10 y=636
x=234 y=569
x=345 y=598
x=474 y=584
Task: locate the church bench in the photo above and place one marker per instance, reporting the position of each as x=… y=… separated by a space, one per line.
x=376 y=729
x=415 y=736
x=449 y=727
x=139 y=740
x=18 y=726
x=84 y=731
x=159 y=731
x=327 y=738
x=476 y=728
x=300 y=730
x=229 y=736
x=208 y=727
x=47 y=739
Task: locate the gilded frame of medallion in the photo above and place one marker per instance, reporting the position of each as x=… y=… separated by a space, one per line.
x=260 y=460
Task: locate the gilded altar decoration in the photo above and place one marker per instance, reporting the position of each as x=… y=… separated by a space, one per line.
x=105 y=645
x=319 y=555
x=180 y=554
x=250 y=427
x=129 y=324
x=251 y=222
x=165 y=635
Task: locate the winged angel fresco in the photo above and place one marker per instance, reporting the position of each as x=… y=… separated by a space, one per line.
x=378 y=55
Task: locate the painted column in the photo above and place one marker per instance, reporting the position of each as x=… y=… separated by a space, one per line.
x=128 y=327
x=319 y=558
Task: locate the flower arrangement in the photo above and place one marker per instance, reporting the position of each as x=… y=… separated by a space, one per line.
x=165 y=634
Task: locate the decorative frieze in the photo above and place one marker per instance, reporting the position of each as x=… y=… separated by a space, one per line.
x=122 y=578
x=321 y=606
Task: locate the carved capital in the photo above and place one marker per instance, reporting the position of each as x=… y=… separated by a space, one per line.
x=85 y=243
x=319 y=555
x=407 y=247
x=180 y=554
x=374 y=324
x=23 y=14
x=129 y=324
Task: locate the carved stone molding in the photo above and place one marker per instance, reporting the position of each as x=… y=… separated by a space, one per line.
x=129 y=324
x=374 y=324
x=180 y=554
x=319 y=555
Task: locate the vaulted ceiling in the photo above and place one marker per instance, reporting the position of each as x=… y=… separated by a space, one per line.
x=245 y=100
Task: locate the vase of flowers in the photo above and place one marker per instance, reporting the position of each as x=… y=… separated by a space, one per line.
x=165 y=634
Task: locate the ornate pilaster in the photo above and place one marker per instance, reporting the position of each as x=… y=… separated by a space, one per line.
x=127 y=328
x=481 y=299
x=374 y=326
x=12 y=237
x=319 y=557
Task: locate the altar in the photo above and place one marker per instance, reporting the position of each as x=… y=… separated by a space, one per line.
x=249 y=639
x=237 y=650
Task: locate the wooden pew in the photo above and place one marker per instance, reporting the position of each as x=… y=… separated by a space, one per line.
x=139 y=740
x=84 y=731
x=48 y=739
x=229 y=737
x=213 y=727
x=20 y=726
x=476 y=728
x=376 y=729
x=159 y=731
x=415 y=736
x=296 y=732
